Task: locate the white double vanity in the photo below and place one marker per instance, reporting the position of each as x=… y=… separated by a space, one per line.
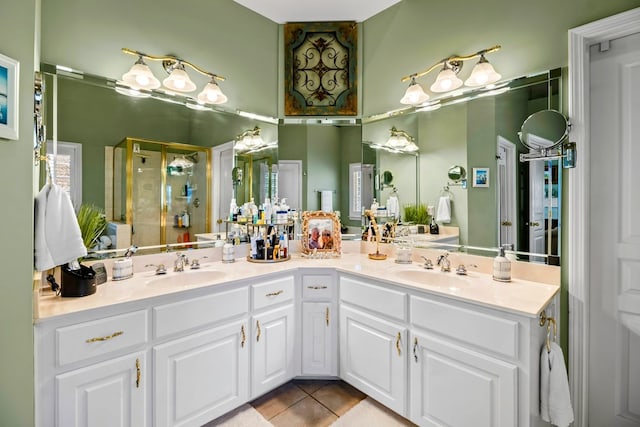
x=184 y=348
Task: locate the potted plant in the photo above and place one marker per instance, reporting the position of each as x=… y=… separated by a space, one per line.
x=92 y=222
x=416 y=214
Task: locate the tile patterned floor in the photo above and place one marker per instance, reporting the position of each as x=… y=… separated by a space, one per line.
x=315 y=403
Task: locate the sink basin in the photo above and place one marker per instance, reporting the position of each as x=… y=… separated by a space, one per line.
x=186 y=279
x=435 y=278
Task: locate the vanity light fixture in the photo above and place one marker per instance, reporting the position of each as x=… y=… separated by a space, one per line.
x=447 y=80
x=141 y=77
x=250 y=141
x=399 y=142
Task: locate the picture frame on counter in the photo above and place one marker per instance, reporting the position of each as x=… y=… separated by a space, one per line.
x=9 y=77
x=320 y=232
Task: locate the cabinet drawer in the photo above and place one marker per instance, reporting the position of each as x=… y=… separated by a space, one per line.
x=272 y=292
x=386 y=301
x=98 y=337
x=492 y=333
x=196 y=312
x=317 y=286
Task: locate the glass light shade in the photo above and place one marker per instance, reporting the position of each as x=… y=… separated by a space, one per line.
x=179 y=81
x=414 y=94
x=411 y=147
x=482 y=74
x=211 y=94
x=239 y=145
x=181 y=162
x=141 y=77
x=446 y=81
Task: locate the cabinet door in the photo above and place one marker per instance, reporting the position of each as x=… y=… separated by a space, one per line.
x=372 y=357
x=201 y=376
x=108 y=394
x=454 y=386
x=319 y=339
x=273 y=338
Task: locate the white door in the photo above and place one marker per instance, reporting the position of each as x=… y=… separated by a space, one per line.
x=614 y=234
x=108 y=394
x=319 y=336
x=454 y=386
x=273 y=337
x=372 y=357
x=290 y=183
x=202 y=376
x=222 y=185
x=536 y=209
x=507 y=193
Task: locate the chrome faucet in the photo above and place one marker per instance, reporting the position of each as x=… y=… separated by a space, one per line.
x=444 y=263
x=160 y=268
x=462 y=269
x=427 y=263
x=180 y=262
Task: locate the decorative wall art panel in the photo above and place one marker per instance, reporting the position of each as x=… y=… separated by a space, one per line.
x=320 y=69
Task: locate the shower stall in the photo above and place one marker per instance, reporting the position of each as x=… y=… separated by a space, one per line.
x=161 y=189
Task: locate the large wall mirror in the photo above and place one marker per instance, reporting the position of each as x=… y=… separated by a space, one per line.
x=519 y=204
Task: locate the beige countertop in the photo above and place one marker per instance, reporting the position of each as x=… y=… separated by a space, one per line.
x=519 y=296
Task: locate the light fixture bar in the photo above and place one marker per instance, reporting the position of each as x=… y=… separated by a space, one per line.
x=173 y=59
x=454 y=58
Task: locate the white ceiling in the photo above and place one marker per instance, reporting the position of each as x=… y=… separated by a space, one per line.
x=282 y=11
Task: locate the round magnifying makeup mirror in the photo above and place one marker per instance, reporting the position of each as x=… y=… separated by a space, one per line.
x=456 y=173
x=544 y=130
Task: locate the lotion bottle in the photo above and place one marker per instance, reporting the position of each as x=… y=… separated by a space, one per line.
x=501 y=267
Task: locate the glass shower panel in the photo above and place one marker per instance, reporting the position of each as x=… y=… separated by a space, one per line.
x=146 y=193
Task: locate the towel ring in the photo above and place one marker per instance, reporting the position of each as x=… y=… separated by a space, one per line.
x=548 y=320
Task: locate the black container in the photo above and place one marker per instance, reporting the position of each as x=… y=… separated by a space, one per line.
x=77 y=283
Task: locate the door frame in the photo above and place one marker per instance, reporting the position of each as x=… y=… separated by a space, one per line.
x=510 y=186
x=216 y=178
x=580 y=38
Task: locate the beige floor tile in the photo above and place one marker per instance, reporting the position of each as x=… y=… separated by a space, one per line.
x=310 y=386
x=276 y=401
x=306 y=413
x=338 y=397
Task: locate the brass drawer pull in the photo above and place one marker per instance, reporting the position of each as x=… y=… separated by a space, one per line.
x=398 y=338
x=317 y=287
x=326 y=315
x=138 y=374
x=274 y=294
x=259 y=332
x=244 y=336
x=108 y=337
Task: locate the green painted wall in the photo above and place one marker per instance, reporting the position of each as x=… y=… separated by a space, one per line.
x=18 y=21
x=414 y=34
x=219 y=36
x=323 y=172
x=350 y=152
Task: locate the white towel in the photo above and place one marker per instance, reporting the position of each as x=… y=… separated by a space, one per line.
x=444 y=210
x=57 y=237
x=326 y=200
x=393 y=207
x=555 y=402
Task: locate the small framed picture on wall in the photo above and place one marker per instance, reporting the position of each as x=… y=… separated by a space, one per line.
x=9 y=72
x=481 y=177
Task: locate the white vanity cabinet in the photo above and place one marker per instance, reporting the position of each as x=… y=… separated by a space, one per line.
x=201 y=375
x=319 y=335
x=373 y=341
x=93 y=370
x=273 y=334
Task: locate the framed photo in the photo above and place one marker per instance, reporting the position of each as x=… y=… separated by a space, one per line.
x=481 y=177
x=9 y=73
x=320 y=232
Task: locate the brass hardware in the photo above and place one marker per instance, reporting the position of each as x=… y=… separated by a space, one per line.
x=506 y=223
x=415 y=349
x=455 y=59
x=273 y=294
x=138 y=373
x=326 y=315
x=244 y=336
x=105 y=338
x=549 y=321
x=398 y=338
x=534 y=224
x=317 y=287
x=259 y=332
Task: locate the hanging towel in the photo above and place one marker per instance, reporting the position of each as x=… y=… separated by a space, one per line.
x=444 y=210
x=555 y=402
x=57 y=237
x=393 y=206
x=326 y=200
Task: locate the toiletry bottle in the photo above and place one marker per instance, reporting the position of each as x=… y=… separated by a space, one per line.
x=185 y=219
x=433 y=227
x=232 y=209
x=501 y=267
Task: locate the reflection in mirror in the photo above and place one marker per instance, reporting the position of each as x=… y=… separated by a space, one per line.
x=479 y=129
x=259 y=172
x=544 y=130
x=91 y=113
